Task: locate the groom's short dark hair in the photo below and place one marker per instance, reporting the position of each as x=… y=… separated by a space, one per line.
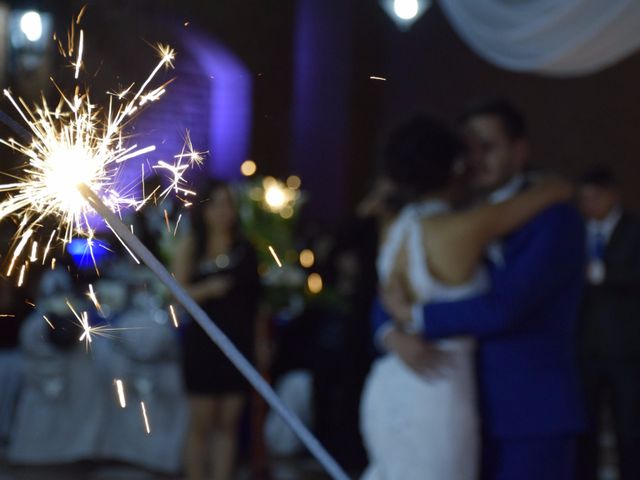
x=513 y=120
x=419 y=154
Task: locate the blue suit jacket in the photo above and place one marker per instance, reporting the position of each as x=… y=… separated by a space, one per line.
x=527 y=372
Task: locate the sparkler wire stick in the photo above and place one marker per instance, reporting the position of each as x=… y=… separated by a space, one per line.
x=214 y=333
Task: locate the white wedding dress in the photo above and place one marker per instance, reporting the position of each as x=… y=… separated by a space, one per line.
x=416 y=427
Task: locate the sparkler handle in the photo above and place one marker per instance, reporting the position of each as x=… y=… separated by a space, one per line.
x=215 y=334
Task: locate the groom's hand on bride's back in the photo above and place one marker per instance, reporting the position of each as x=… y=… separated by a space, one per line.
x=423 y=357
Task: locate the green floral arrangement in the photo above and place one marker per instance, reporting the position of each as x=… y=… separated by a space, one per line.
x=268 y=210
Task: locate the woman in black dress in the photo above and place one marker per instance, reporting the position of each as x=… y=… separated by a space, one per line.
x=219 y=269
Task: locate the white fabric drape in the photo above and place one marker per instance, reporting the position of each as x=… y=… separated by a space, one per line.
x=552 y=37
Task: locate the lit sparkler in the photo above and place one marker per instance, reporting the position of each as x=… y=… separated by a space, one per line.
x=79 y=143
x=72 y=163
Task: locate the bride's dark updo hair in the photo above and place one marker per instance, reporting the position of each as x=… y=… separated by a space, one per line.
x=420 y=153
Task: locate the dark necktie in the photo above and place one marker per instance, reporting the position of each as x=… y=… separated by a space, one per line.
x=598 y=246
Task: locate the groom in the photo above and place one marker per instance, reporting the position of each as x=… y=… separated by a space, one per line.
x=528 y=382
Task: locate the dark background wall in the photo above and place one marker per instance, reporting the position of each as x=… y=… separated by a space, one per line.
x=574 y=123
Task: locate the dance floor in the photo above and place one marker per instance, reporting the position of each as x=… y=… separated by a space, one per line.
x=282 y=470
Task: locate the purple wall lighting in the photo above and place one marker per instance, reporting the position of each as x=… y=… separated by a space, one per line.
x=211 y=97
x=320 y=143
x=230 y=104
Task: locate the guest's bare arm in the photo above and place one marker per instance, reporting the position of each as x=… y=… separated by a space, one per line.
x=206 y=289
x=182 y=261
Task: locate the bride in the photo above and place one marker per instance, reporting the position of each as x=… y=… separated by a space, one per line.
x=425 y=425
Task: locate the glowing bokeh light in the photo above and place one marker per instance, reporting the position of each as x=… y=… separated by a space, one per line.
x=406 y=9
x=294 y=182
x=31 y=26
x=275 y=197
x=307 y=258
x=248 y=168
x=314 y=283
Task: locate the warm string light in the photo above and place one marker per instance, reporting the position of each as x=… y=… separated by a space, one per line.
x=314 y=283
x=307 y=258
x=279 y=197
x=248 y=168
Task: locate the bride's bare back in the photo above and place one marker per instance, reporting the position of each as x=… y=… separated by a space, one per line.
x=455 y=242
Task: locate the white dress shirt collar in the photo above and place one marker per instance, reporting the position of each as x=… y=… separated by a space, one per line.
x=607 y=225
x=508 y=190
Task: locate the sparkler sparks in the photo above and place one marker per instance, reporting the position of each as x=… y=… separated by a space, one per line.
x=275 y=256
x=80 y=14
x=84 y=321
x=166 y=220
x=92 y=295
x=175 y=230
x=49 y=322
x=21 y=277
x=80 y=51
x=173 y=316
x=120 y=390
x=146 y=419
x=34 y=252
x=88 y=330
x=79 y=143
